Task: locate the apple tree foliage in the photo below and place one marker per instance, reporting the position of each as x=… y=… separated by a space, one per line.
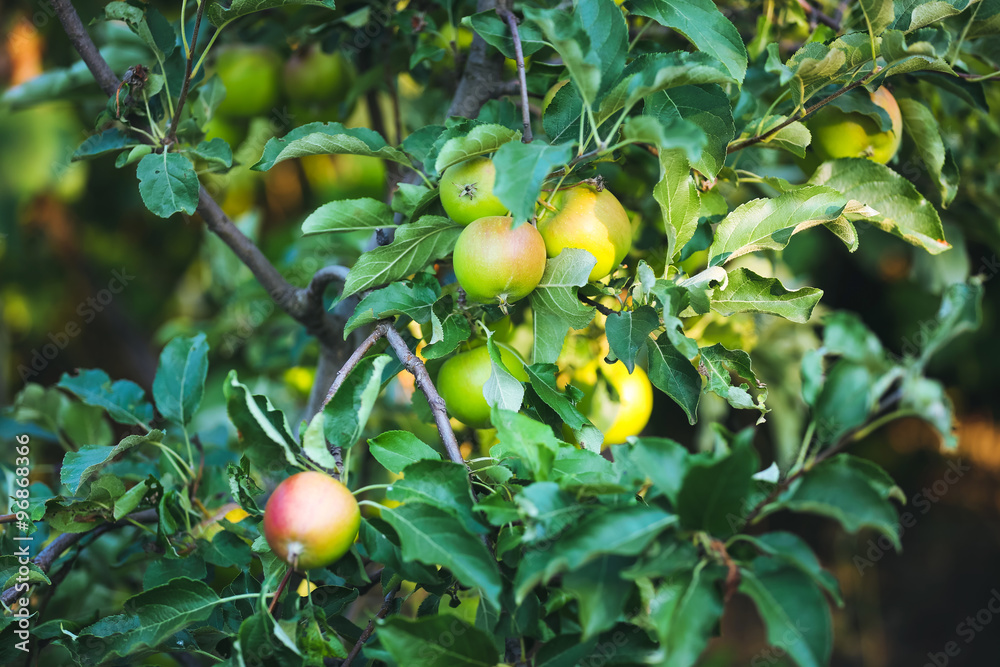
x=537 y=551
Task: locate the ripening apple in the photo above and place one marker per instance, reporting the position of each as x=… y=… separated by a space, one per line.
x=311 y=520
x=317 y=85
x=251 y=76
x=461 y=379
x=836 y=134
x=590 y=219
x=467 y=191
x=497 y=264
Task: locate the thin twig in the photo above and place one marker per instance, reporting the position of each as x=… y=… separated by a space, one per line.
x=815 y=13
x=78 y=36
x=56 y=547
x=377 y=333
x=172 y=132
x=423 y=381
x=8 y=518
x=370 y=630
x=504 y=12
x=601 y=308
x=809 y=111
x=842 y=443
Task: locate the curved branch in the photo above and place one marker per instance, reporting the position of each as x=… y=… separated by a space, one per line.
x=746 y=143
x=412 y=363
x=47 y=556
x=511 y=20
x=377 y=333
x=370 y=630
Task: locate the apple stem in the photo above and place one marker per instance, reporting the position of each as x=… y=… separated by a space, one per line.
x=281 y=586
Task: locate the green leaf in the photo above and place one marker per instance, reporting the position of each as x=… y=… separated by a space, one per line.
x=662 y=460
x=180 y=378
x=124 y=401
x=706 y=106
x=545 y=510
x=891 y=202
x=150 y=618
x=685 y=615
x=441 y=484
x=793 y=609
x=652 y=73
x=450 y=328
x=677 y=196
x=555 y=303
x=262 y=428
x=521 y=437
x=220 y=15
x=878 y=14
x=216 y=150
x=592 y=41
x=723 y=367
x=713 y=492
x=416 y=245
x=480 y=140
x=921 y=126
x=397 y=449
x=672 y=373
x=601 y=593
x=150 y=26
x=327 y=139
x=109 y=141
x=769 y=223
x=494 y=30
x=624 y=531
x=913 y=14
x=10 y=570
x=628 y=331
x=349 y=409
x=168 y=184
x=521 y=170
x=920 y=56
x=817 y=65
x=701 y=22
x=349 y=215
x=747 y=292
x=960 y=311
x=794 y=551
x=837 y=489
x=543 y=381
x=792 y=138
x=665 y=134
x=314 y=444
x=443 y=640
x=414 y=298
x=845 y=400
x=432 y=536
x=502 y=390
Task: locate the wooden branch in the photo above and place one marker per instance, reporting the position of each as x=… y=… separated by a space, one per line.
x=377 y=333
x=7 y=518
x=370 y=630
x=172 y=131
x=511 y=20
x=479 y=77
x=746 y=143
x=78 y=36
x=423 y=381
x=56 y=547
